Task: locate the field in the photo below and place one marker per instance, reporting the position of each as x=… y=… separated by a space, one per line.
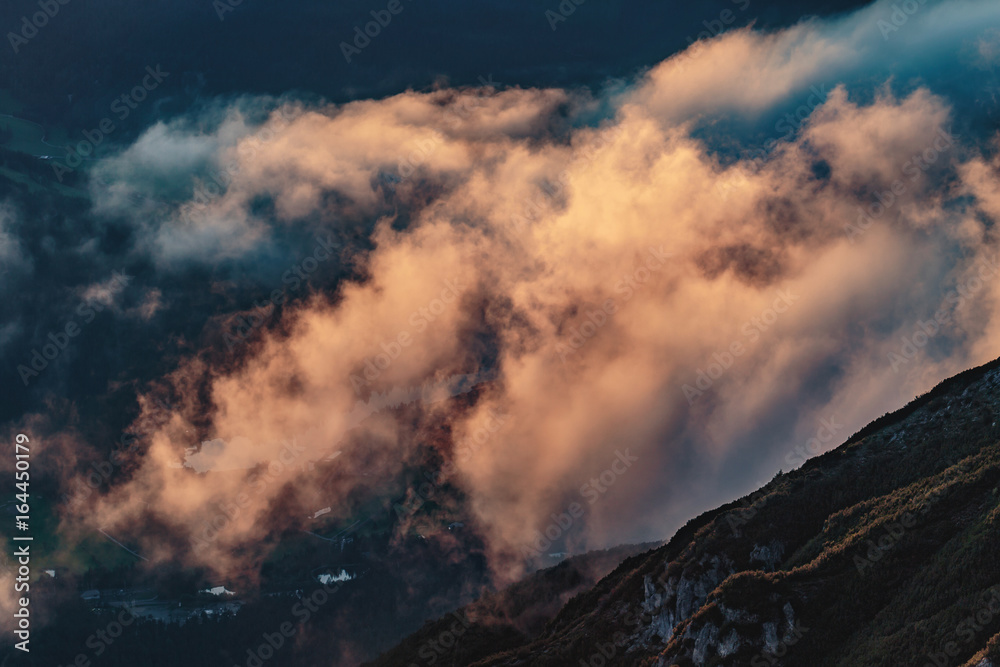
x=27 y=136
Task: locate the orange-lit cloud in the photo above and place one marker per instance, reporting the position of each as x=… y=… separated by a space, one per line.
x=619 y=296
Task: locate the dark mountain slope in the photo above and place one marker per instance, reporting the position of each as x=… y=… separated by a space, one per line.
x=885 y=551
x=507 y=618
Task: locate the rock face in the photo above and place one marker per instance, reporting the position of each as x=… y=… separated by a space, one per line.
x=680 y=597
x=768 y=555
x=769 y=639
x=872 y=554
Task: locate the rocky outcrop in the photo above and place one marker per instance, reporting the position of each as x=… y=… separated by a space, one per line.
x=680 y=596
x=768 y=555
x=725 y=635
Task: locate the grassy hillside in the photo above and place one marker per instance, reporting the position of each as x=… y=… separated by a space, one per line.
x=881 y=552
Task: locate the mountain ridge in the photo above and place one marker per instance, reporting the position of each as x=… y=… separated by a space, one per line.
x=881 y=551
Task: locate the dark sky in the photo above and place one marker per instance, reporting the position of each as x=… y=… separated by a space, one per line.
x=97 y=50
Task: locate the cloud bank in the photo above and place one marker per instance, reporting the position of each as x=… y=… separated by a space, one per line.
x=666 y=270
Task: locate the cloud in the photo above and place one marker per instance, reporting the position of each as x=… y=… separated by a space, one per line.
x=615 y=293
x=747 y=72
